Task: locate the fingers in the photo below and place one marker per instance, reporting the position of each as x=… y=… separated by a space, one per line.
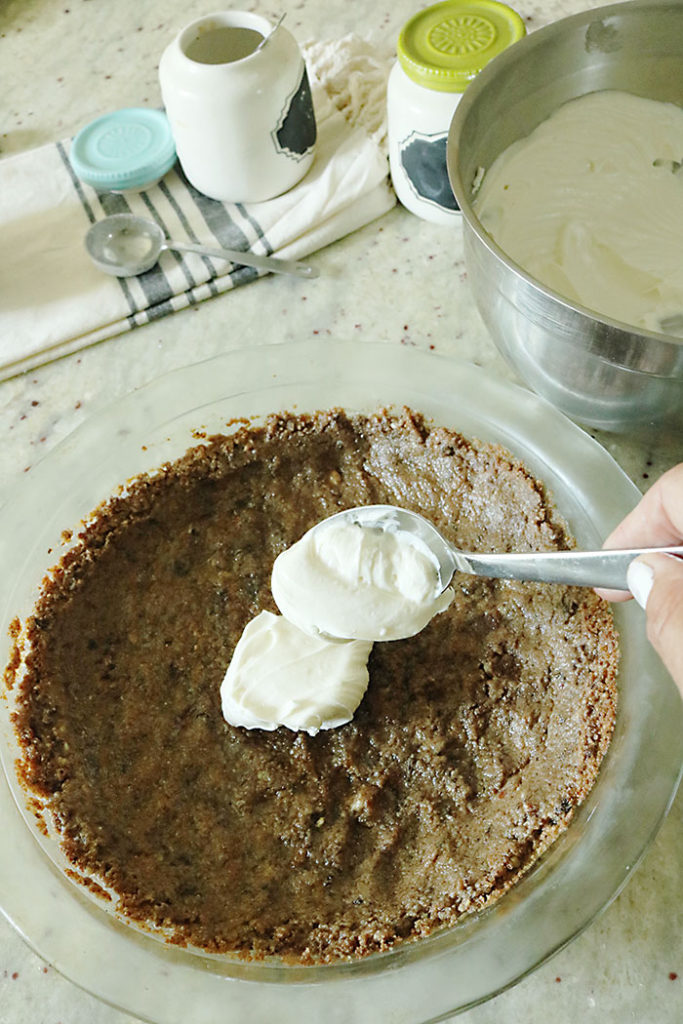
x=657 y=519
x=656 y=582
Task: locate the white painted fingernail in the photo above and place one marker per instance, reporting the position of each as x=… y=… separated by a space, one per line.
x=640 y=578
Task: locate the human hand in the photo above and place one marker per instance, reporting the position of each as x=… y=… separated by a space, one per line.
x=656 y=581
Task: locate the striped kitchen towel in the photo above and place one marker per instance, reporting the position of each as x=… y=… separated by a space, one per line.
x=53 y=301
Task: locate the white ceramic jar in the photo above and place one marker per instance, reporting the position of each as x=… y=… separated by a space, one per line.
x=239 y=103
x=440 y=50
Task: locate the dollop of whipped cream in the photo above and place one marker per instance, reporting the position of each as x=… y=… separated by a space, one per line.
x=280 y=675
x=352 y=581
x=591 y=204
x=339 y=588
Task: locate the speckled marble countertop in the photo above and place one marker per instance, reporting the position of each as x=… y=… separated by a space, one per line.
x=399 y=280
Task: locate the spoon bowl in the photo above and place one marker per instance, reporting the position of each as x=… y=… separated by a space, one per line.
x=605 y=569
x=125 y=245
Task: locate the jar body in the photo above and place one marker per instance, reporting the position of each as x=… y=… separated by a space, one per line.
x=241 y=113
x=418 y=122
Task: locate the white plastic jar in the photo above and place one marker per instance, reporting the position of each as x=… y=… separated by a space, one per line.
x=238 y=100
x=440 y=50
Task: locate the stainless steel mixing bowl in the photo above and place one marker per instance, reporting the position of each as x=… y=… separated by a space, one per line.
x=598 y=371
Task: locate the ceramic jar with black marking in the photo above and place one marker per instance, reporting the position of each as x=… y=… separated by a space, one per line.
x=440 y=50
x=239 y=103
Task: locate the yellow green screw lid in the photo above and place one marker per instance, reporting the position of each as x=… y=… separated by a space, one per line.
x=445 y=46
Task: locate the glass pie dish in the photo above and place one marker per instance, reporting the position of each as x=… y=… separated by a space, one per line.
x=421 y=981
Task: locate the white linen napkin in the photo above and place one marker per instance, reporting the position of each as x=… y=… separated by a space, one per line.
x=53 y=301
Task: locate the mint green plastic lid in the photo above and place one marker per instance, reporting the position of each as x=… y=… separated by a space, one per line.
x=130 y=148
x=445 y=46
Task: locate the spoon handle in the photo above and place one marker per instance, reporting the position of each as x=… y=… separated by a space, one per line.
x=605 y=569
x=248 y=259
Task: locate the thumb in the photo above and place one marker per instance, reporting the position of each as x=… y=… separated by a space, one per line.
x=656 y=582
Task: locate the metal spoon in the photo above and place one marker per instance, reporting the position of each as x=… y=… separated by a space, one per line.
x=605 y=569
x=125 y=245
x=270 y=34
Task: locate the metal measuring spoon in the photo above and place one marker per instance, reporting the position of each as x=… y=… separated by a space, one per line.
x=605 y=569
x=125 y=245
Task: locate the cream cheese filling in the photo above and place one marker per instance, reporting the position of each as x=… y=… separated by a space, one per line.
x=591 y=205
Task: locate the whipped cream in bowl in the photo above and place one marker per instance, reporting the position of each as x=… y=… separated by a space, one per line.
x=590 y=203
